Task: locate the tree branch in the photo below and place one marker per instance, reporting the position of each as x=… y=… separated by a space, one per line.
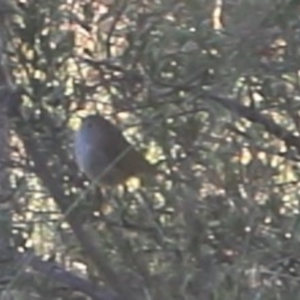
x=255 y=116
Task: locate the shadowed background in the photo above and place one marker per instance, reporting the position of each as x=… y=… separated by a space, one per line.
x=210 y=90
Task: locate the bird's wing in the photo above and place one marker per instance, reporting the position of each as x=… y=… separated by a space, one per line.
x=123 y=155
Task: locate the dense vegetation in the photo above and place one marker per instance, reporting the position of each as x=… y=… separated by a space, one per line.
x=207 y=89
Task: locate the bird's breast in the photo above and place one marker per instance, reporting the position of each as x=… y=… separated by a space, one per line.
x=82 y=148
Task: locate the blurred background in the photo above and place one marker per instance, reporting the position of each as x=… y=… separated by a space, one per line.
x=210 y=90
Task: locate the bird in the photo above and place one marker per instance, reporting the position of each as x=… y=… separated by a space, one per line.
x=104 y=155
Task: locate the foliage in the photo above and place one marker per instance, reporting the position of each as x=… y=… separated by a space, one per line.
x=221 y=219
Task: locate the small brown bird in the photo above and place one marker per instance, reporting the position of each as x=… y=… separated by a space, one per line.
x=104 y=155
